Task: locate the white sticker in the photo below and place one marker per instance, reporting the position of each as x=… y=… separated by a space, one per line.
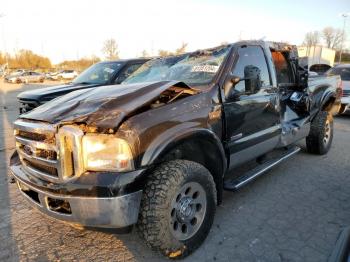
x=108 y=70
x=205 y=68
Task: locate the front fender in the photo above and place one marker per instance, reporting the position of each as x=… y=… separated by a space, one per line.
x=177 y=135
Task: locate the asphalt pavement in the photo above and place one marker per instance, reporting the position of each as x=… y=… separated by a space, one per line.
x=294 y=212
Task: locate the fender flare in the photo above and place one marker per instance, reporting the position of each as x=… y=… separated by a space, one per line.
x=177 y=135
x=326 y=97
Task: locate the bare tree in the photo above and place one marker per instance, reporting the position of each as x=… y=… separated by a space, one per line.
x=163 y=53
x=145 y=53
x=312 y=38
x=181 y=49
x=178 y=51
x=332 y=37
x=110 y=49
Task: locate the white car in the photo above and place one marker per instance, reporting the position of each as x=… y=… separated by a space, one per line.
x=344 y=71
x=64 y=74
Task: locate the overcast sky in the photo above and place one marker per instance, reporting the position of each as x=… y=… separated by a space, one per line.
x=68 y=29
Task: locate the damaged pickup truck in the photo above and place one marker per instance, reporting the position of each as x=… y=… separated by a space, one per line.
x=158 y=149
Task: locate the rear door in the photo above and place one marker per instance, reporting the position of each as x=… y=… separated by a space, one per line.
x=252 y=118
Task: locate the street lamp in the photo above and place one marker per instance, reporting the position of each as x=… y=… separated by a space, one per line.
x=345 y=15
x=2 y=15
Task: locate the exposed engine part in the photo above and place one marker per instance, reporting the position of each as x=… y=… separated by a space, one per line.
x=172 y=94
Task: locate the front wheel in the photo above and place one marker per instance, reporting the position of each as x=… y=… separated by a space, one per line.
x=177 y=207
x=320 y=138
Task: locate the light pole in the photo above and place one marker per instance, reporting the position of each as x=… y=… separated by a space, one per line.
x=345 y=15
x=3 y=40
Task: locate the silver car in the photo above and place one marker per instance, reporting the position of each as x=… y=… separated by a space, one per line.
x=344 y=71
x=25 y=77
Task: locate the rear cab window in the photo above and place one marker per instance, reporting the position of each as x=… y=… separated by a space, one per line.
x=283 y=69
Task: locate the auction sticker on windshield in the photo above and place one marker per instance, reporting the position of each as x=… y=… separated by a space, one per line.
x=205 y=68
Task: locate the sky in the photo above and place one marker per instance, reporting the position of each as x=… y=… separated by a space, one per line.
x=68 y=29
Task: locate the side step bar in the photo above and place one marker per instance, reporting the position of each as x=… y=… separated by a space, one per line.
x=235 y=184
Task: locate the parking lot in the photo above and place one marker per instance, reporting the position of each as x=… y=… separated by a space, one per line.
x=293 y=213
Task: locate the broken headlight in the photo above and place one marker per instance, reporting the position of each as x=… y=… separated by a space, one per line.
x=106 y=153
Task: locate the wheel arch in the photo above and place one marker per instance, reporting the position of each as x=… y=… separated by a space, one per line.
x=194 y=144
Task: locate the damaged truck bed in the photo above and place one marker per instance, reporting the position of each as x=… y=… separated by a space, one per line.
x=157 y=149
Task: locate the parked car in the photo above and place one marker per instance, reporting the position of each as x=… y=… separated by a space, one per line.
x=25 y=77
x=344 y=71
x=103 y=73
x=157 y=150
x=64 y=75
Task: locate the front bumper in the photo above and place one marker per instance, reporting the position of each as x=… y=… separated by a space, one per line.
x=109 y=212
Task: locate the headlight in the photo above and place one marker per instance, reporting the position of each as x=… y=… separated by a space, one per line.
x=106 y=153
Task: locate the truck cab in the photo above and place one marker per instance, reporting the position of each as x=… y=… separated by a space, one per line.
x=158 y=149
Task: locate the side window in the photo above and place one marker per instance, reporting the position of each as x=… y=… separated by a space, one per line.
x=127 y=72
x=251 y=61
x=283 y=72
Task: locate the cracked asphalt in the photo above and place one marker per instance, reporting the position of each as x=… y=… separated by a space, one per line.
x=294 y=212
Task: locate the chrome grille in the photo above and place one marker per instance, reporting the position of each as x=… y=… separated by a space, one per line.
x=32 y=136
x=46 y=153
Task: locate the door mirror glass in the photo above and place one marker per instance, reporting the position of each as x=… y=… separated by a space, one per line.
x=252 y=79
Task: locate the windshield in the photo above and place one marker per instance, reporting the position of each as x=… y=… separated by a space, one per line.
x=197 y=68
x=344 y=72
x=17 y=73
x=99 y=73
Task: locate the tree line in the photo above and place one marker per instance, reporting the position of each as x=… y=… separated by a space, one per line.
x=27 y=59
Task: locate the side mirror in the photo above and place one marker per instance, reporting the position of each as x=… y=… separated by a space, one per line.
x=252 y=79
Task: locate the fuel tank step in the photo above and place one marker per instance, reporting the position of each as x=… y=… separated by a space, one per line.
x=249 y=176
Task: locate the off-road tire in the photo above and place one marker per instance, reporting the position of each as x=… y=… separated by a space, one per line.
x=156 y=206
x=342 y=109
x=18 y=81
x=315 y=140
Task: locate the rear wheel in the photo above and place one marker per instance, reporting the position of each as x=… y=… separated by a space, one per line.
x=320 y=137
x=177 y=208
x=18 y=81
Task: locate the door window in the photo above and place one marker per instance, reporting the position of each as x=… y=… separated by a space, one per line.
x=251 y=61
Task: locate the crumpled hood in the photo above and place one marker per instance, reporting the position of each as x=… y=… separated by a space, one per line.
x=51 y=92
x=103 y=107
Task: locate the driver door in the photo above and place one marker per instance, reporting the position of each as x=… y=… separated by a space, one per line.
x=251 y=115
